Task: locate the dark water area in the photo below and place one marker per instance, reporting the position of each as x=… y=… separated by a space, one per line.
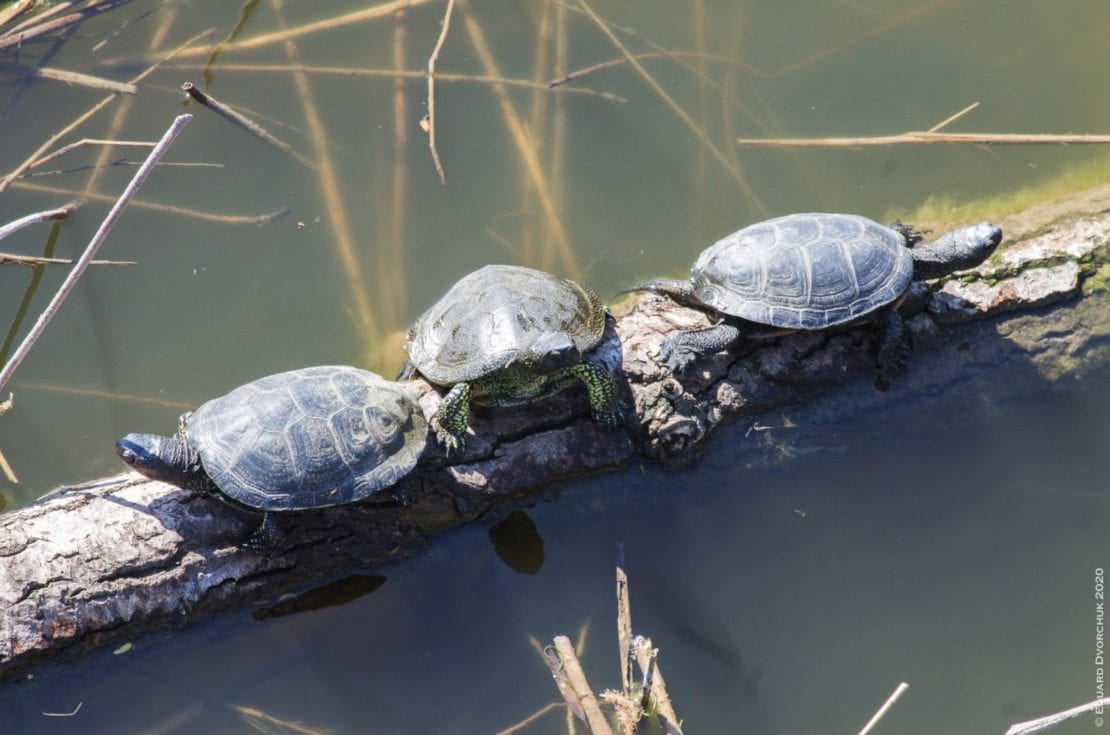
x=952 y=543
x=957 y=553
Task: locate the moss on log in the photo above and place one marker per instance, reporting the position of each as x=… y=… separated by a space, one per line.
x=104 y=561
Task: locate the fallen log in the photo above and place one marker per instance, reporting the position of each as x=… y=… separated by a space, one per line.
x=101 y=562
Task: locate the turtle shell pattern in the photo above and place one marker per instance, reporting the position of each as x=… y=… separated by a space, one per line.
x=308 y=438
x=491 y=317
x=804 y=271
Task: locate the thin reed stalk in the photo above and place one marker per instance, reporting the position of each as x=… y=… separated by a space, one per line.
x=94 y=245
x=925 y=137
x=37 y=218
x=432 y=91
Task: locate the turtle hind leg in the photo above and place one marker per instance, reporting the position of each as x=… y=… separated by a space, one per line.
x=894 y=344
x=605 y=402
x=265 y=536
x=679 y=350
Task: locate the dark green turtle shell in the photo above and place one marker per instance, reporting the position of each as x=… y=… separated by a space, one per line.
x=308 y=438
x=491 y=316
x=804 y=271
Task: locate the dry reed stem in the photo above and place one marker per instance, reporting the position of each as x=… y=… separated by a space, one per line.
x=646 y=658
x=576 y=678
x=403 y=74
x=45 y=14
x=536 y=123
x=108 y=395
x=7 y=470
x=287 y=34
x=923 y=137
x=952 y=118
x=81 y=119
x=90 y=141
x=871 y=32
x=39 y=260
x=37 y=218
x=227 y=219
x=14 y=10
x=624 y=625
x=651 y=81
x=559 y=675
x=69 y=77
x=432 y=91
x=243 y=122
x=530 y=718
x=266 y=723
x=524 y=146
x=1031 y=727
x=17 y=37
x=94 y=245
x=329 y=185
x=894 y=697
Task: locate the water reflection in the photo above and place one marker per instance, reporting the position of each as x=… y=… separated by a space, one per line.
x=517 y=542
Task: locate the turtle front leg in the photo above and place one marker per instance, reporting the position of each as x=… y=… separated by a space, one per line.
x=679 y=350
x=453 y=417
x=894 y=344
x=264 y=538
x=605 y=403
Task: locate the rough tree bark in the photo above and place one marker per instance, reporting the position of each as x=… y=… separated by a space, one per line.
x=101 y=562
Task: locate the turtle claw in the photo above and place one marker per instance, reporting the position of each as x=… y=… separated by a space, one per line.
x=452 y=443
x=676 y=357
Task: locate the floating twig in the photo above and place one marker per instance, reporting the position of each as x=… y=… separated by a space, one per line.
x=658 y=88
x=18 y=37
x=925 y=137
x=239 y=119
x=37 y=218
x=1044 y=723
x=39 y=260
x=354 y=71
x=81 y=119
x=953 y=118
x=64 y=714
x=432 y=91
x=90 y=141
x=199 y=214
x=898 y=692
x=523 y=145
x=94 y=245
x=69 y=77
x=576 y=678
x=624 y=624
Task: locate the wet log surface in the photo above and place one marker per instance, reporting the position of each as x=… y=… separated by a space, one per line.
x=104 y=561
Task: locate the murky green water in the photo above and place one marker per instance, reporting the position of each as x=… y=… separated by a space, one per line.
x=977 y=590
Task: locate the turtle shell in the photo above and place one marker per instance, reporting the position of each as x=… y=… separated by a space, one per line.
x=308 y=438
x=804 y=271
x=491 y=316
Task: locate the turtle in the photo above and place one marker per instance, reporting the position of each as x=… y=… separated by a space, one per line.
x=505 y=334
x=297 y=440
x=812 y=271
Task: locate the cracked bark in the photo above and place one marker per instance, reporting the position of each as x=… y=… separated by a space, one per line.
x=101 y=562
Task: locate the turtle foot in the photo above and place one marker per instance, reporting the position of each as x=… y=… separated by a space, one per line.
x=676 y=357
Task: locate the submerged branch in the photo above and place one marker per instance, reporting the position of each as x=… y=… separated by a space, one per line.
x=17 y=37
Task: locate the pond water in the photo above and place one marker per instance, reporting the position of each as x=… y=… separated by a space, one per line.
x=782 y=600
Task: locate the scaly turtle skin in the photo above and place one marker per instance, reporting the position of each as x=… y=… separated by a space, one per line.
x=504 y=334
x=813 y=271
x=298 y=440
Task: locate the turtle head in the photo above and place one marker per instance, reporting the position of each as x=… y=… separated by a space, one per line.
x=550 y=352
x=163 y=458
x=964 y=248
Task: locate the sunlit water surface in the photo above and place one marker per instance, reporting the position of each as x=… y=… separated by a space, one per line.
x=958 y=556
